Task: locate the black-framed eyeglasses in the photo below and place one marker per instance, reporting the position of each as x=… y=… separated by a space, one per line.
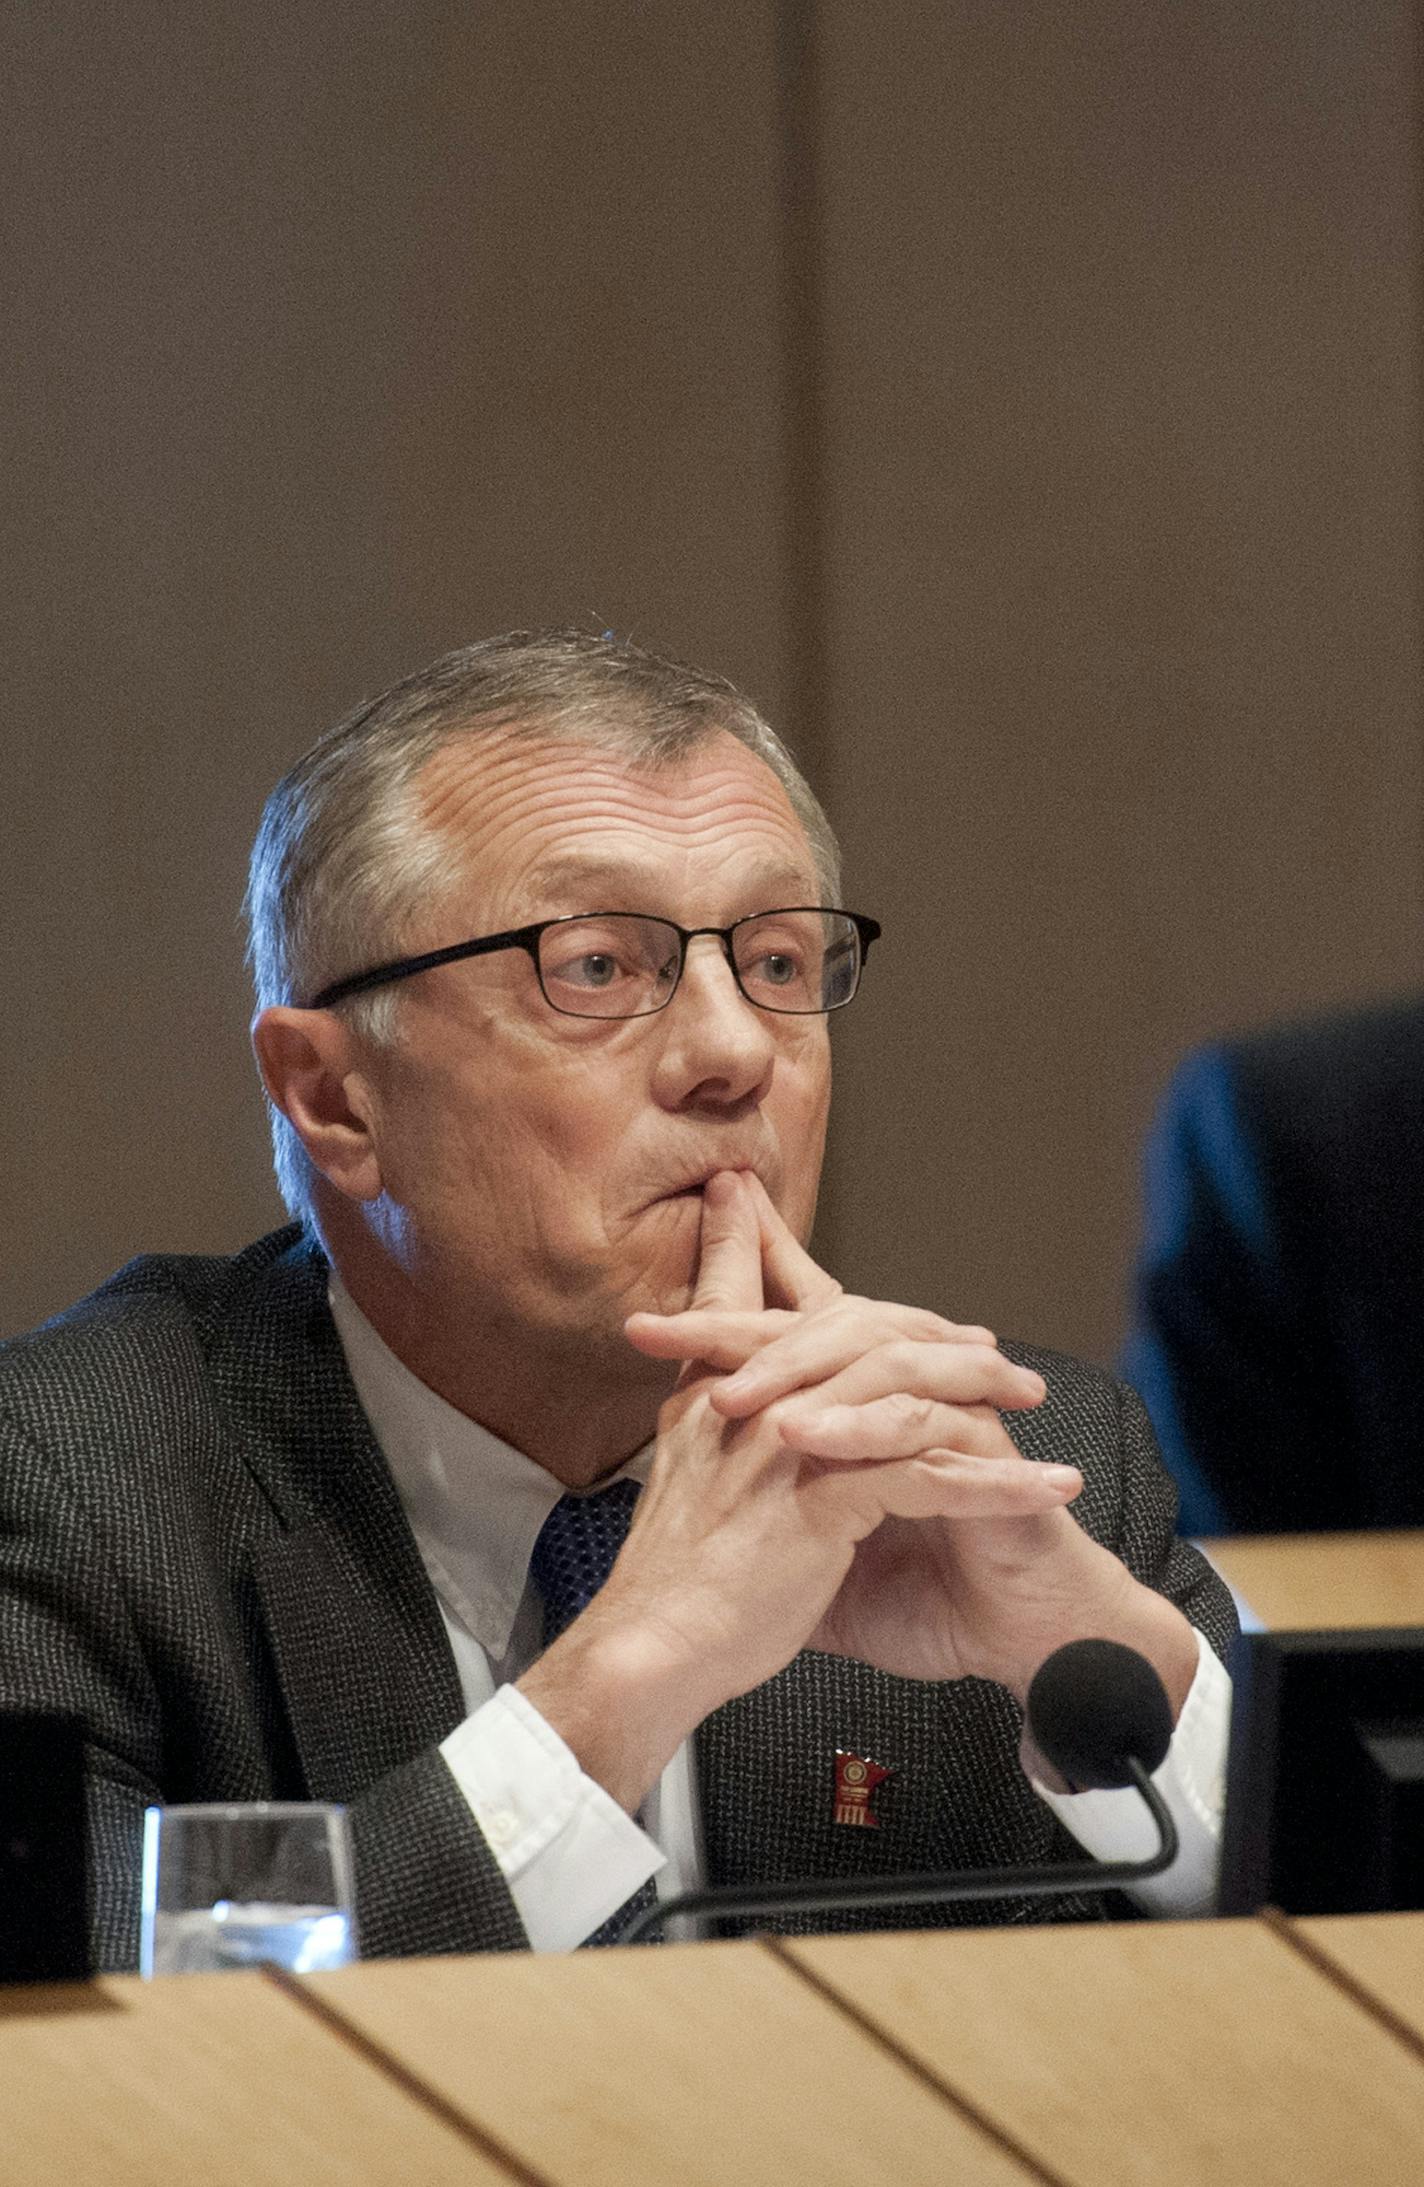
x=801 y=961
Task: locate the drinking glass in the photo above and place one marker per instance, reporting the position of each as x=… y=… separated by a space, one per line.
x=237 y=1886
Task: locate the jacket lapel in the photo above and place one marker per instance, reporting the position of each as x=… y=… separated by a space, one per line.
x=356 y=1634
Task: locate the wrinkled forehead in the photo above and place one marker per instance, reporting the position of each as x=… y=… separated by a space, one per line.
x=540 y=826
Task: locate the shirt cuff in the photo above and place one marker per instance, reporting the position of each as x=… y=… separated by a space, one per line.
x=568 y=1852
x=1192 y=1780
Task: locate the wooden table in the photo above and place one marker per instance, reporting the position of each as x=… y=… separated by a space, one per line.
x=1209 y=2054
x=1168 y=2054
x=220 y=2079
x=1300 y=1581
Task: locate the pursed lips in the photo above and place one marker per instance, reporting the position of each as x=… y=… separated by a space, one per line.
x=692 y=1187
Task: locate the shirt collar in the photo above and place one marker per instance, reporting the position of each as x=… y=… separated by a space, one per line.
x=474 y=1504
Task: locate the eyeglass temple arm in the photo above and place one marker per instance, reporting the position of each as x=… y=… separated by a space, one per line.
x=404 y=968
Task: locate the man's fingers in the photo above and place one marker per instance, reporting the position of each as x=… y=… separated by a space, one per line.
x=792 y=1278
x=947 y=1374
x=729 y=1265
x=727 y=1339
x=899 y=1426
x=720 y=1337
x=940 y=1485
x=860 y=1352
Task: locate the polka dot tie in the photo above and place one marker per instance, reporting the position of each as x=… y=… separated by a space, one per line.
x=575 y=1551
x=572 y=1558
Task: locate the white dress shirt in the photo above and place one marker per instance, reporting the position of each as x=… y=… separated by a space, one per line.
x=569 y=1853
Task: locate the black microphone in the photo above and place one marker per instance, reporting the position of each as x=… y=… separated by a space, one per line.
x=1097 y=1712
x=1096 y=1709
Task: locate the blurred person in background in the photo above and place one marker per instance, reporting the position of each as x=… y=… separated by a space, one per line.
x=1278 y=1333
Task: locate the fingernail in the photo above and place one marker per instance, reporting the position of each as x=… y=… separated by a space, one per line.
x=1064 y=1476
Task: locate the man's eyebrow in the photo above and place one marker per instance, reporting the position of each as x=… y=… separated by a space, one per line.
x=774 y=883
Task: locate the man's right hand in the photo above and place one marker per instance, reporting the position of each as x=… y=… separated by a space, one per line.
x=739 y=1545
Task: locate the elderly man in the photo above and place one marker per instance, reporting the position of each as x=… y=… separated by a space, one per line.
x=545 y=945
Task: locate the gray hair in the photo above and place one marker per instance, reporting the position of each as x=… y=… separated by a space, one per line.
x=342 y=860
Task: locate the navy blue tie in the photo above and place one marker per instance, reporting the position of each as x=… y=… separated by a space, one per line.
x=572 y=1558
x=575 y=1551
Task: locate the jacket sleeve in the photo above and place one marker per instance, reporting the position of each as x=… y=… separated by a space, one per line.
x=79 y=1638
x=1149 y=1544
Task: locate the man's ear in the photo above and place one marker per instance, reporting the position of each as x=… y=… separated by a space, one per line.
x=310 y=1068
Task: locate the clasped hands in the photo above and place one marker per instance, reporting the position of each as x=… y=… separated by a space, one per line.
x=831 y=1472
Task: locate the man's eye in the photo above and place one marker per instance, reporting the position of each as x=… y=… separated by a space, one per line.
x=777 y=969
x=595 y=969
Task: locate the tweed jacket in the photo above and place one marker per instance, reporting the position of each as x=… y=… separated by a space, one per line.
x=202 y=1555
x=1279 y=1334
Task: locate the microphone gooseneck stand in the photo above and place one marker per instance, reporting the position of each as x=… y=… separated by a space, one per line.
x=820 y=1896
x=1097 y=1711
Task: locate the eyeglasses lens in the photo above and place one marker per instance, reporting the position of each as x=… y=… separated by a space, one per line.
x=621 y=966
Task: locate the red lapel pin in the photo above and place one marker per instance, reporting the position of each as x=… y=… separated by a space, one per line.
x=856 y=1779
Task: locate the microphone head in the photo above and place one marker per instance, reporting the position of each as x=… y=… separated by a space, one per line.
x=1093 y=1707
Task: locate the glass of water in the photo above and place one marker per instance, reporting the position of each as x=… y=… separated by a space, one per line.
x=240 y=1886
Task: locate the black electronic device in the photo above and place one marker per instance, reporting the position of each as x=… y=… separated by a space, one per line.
x=43 y=1929
x=1325 y=1780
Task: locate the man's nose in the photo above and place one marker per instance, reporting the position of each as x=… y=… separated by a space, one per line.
x=717 y=1045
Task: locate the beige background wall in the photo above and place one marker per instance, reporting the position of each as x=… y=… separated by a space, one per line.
x=1124 y=428
x=1059 y=440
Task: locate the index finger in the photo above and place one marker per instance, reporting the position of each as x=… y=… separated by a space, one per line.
x=729 y=1263
x=797 y=1280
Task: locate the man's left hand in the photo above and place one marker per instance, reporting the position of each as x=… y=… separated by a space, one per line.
x=856 y=1383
